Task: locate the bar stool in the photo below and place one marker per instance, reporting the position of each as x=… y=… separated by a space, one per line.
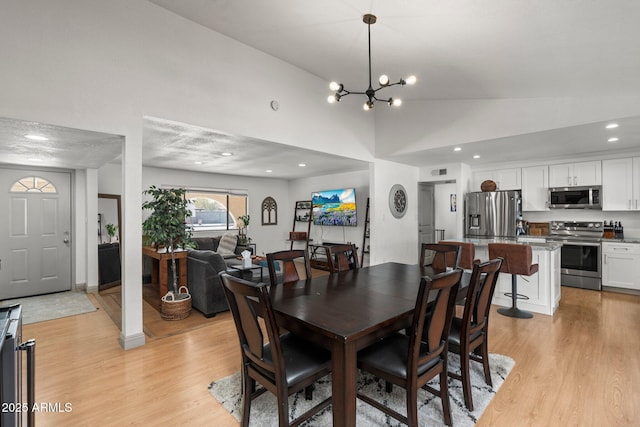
x=517 y=261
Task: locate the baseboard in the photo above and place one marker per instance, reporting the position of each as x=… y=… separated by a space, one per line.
x=132 y=341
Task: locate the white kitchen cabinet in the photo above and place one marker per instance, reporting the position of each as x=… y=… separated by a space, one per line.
x=621 y=265
x=575 y=174
x=621 y=184
x=535 y=188
x=505 y=179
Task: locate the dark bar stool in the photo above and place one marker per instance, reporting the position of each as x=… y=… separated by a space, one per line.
x=517 y=261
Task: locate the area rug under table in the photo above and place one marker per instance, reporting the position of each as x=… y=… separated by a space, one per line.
x=227 y=391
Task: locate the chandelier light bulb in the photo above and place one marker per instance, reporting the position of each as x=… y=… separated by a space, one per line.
x=367 y=106
x=383 y=80
x=411 y=80
x=331 y=99
x=396 y=102
x=335 y=87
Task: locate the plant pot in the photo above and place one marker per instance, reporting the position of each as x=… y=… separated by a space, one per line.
x=176 y=306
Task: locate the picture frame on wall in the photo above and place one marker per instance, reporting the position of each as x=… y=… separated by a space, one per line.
x=453 y=202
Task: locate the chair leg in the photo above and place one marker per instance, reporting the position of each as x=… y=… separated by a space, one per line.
x=412 y=406
x=466 y=380
x=283 y=408
x=388 y=387
x=248 y=386
x=514 y=311
x=444 y=397
x=308 y=392
x=485 y=362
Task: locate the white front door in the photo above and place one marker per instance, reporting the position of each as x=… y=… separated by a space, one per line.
x=35 y=257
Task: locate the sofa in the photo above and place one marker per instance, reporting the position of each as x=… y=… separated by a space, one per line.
x=204 y=268
x=213 y=244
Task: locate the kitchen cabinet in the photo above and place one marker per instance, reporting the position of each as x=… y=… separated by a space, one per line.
x=621 y=265
x=621 y=184
x=505 y=179
x=535 y=188
x=575 y=174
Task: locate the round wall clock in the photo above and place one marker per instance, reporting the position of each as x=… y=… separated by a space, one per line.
x=398 y=201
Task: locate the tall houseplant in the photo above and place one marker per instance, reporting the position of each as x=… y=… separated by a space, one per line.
x=167 y=225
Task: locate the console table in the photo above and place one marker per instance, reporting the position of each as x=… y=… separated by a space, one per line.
x=160 y=267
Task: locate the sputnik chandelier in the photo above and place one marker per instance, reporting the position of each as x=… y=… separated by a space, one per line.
x=341 y=92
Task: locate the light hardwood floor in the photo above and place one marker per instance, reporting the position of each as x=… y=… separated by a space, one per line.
x=578 y=368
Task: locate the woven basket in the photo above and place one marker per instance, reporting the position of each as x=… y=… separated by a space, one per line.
x=174 y=307
x=488 y=185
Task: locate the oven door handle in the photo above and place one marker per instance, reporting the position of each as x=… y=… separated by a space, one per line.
x=572 y=243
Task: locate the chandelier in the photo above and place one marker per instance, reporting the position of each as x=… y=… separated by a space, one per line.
x=384 y=82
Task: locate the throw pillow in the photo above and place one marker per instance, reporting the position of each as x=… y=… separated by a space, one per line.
x=227 y=244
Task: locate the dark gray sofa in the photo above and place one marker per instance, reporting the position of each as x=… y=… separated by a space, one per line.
x=205 y=285
x=211 y=244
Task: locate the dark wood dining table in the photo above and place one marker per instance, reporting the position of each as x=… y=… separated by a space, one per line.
x=346 y=312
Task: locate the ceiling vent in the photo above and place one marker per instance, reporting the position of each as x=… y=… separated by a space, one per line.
x=438 y=172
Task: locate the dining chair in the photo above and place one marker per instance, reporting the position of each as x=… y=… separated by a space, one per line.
x=411 y=360
x=468 y=336
x=288 y=262
x=439 y=256
x=467 y=253
x=284 y=365
x=518 y=261
x=343 y=258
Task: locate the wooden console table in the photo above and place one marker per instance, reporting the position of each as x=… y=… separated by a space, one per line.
x=160 y=267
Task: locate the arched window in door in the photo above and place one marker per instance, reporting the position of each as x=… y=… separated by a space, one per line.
x=33 y=184
x=269 y=211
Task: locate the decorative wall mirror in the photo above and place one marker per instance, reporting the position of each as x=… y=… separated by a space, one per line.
x=109 y=214
x=269 y=211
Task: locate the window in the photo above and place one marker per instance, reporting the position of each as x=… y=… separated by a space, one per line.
x=216 y=210
x=33 y=184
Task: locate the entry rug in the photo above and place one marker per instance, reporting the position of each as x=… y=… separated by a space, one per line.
x=227 y=391
x=52 y=306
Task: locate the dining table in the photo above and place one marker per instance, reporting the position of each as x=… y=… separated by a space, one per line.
x=348 y=311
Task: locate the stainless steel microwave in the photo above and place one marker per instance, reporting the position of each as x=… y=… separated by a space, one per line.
x=589 y=197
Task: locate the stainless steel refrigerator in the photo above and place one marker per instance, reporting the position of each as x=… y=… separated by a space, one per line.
x=493 y=214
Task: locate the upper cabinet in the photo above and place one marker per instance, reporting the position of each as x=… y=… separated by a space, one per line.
x=535 y=188
x=621 y=184
x=575 y=174
x=505 y=179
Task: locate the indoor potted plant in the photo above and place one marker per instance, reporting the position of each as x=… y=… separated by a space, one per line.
x=166 y=226
x=111 y=231
x=242 y=230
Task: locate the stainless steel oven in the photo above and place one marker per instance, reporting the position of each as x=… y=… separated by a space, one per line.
x=581 y=252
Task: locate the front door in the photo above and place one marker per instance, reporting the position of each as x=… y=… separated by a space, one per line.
x=426 y=214
x=35 y=257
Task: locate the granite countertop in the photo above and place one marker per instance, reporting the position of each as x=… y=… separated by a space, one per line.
x=623 y=240
x=534 y=241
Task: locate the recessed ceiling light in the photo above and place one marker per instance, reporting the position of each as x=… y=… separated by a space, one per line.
x=302 y=165
x=614 y=139
x=268 y=171
x=226 y=154
x=36 y=137
x=34 y=160
x=457 y=149
x=198 y=163
x=612 y=125
x=476 y=156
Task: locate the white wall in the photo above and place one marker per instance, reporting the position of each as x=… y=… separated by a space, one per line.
x=393 y=239
x=301 y=189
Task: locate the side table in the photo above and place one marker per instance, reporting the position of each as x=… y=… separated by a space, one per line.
x=160 y=267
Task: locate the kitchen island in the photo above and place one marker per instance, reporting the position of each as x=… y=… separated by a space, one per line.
x=542 y=289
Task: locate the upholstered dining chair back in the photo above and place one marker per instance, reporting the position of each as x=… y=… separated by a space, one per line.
x=343 y=258
x=440 y=256
x=291 y=264
x=285 y=364
x=467 y=253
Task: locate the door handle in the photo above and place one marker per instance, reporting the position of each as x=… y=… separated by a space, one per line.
x=66 y=238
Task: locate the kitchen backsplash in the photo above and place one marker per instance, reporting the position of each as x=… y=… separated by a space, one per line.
x=630 y=220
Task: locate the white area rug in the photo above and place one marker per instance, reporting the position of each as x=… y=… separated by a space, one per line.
x=52 y=306
x=227 y=391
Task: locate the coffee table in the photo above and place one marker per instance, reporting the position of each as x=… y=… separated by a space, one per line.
x=253 y=266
